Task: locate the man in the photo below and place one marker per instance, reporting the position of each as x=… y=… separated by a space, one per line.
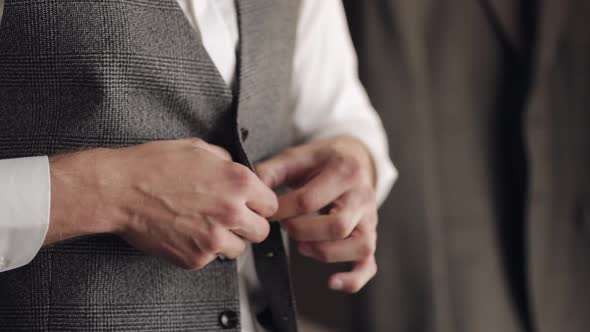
x=151 y=113
x=493 y=209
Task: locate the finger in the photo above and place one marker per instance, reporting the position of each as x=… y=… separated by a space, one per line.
x=320 y=191
x=215 y=240
x=180 y=252
x=262 y=200
x=231 y=215
x=286 y=167
x=351 y=282
x=200 y=260
x=196 y=259
x=245 y=184
x=342 y=219
x=233 y=245
x=190 y=256
x=179 y=258
x=351 y=249
x=247 y=224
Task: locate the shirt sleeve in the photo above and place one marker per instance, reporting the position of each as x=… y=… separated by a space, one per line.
x=327 y=95
x=24 y=209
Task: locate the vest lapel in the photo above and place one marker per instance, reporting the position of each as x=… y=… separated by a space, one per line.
x=270 y=256
x=246 y=62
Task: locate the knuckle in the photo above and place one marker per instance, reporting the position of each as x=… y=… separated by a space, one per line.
x=269 y=206
x=322 y=255
x=306 y=203
x=349 y=168
x=262 y=233
x=367 y=249
x=232 y=215
x=237 y=252
x=214 y=242
x=239 y=175
x=340 y=227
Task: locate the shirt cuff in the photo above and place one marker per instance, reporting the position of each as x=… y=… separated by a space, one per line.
x=385 y=172
x=25 y=197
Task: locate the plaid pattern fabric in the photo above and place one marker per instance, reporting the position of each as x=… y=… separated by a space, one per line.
x=76 y=74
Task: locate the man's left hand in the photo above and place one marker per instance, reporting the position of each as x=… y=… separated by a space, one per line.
x=335 y=176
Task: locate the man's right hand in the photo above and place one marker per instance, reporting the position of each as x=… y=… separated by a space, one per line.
x=185 y=200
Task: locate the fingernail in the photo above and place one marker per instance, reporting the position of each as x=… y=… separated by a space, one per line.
x=336 y=284
x=305 y=250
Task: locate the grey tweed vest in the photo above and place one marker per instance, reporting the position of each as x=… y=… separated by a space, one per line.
x=76 y=74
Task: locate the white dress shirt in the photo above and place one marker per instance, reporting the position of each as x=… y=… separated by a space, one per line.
x=327 y=97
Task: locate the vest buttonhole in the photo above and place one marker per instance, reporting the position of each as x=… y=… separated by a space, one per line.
x=244 y=133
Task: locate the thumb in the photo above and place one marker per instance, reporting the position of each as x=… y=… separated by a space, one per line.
x=286 y=167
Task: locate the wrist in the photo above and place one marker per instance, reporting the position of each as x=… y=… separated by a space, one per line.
x=78 y=204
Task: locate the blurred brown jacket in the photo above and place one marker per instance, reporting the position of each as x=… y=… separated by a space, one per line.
x=489 y=124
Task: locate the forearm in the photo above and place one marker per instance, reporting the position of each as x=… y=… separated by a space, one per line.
x=328 y=97
x=151 y=196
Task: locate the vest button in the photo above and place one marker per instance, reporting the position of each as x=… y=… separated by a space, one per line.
x=244 y=132
x=228 y=319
